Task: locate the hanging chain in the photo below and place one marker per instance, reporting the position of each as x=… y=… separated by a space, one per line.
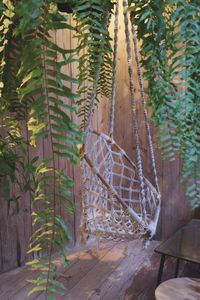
x=143 y=100
x=114 y=79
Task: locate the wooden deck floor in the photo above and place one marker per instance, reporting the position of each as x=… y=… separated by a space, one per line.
x=115 y=271
x=103 y=273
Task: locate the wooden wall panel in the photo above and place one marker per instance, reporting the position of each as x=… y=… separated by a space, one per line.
x=8 y=239
x=63 y=38
x=16 y=229
x=76 y=170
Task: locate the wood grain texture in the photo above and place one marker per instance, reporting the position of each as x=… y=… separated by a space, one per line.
x=143 y=284
x=179 y=289
x=15 y=229
x=113 y=271
x=115 y=286
x=96 y=273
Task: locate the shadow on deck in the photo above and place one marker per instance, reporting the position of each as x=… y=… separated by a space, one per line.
x=114 y=271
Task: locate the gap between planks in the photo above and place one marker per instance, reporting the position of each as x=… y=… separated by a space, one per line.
x=14 y=285
x=111 y=276
x=93 y=274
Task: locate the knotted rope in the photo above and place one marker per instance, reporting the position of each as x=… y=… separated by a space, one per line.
x=133 y=105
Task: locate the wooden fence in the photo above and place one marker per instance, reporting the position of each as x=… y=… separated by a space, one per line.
x=15 y=229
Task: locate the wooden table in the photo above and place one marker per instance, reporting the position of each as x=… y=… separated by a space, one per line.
x=182 y=245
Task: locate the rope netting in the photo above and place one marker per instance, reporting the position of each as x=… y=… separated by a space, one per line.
x=112 y=192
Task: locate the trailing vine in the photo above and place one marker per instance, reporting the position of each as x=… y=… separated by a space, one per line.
x=36 y=93
x=10 y=135
x=35 y=90
x=170 y=52
x=95 y=52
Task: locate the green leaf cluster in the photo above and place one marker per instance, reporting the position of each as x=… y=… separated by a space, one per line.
x=10 y=131
x=170 y=34
x=95 y=52
x=35 y=92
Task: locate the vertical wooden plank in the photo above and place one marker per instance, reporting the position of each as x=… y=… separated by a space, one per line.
x=7 y=238
x=34 y=152
x=47 y=144
x=76 y=170
x=123 y=132
x=23 y=220
x=63 y=39
x=175 y=209
x=15 y=227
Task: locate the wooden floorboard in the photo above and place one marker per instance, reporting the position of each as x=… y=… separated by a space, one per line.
x=114 y=271
x=86 y=262
x=144 y=283
x=91 y=282
x=13 y=285
x=17 y=287
x=94 y=273
x=119 y=280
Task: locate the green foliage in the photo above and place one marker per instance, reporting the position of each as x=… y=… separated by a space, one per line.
x=51 y=230
x=95 y=52
x=170 y=35
x=10 y=133
x=35 y=91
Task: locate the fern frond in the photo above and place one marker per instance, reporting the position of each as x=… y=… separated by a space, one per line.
x=11 y=134
x=170 y=37
x=95 y=53
x=40 y=93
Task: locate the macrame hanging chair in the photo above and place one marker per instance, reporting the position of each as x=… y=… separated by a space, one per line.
x=118 y=201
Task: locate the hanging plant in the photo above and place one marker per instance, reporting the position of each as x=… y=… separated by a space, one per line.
x=170 y=52
x=95 y=68
x=34 y=91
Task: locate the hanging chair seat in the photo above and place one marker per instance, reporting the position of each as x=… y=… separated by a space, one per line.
x=118 y=201
x=112 y=192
